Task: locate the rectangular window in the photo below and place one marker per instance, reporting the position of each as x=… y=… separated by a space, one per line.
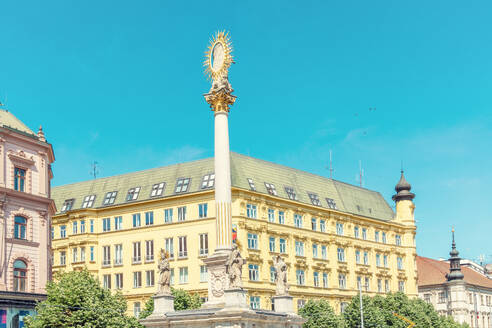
x=281 y=217
x=168 y=215
x=376 y=236
x=67 y=205
x=342 y=281
x=172 y=277
x=324 y=253
x=20 y=182
x=107 y=281
x=380 y=286
x=252 y=241
x=203 y=273
x=251 y=211
x=182 y=185
x=314 y=199
x=118 y=280
x=325 y=280
x=401 y=286
x=383 y=237
x=149 y=250
x=182 y=213
x=183 y=275
x=202 y=210
x=132 y=194
x=149 y=278
x=316 y=279
x=356 y=232
x=251 y=184
x=82 y=254
x=300 y=304
x=136 y=309
x=322 y=225
x=442 y=297
x=91 y=226
x=118 y=223
x=110 y=197
x=52 y=232
x=398 y=240
x=157 y=189
x=74 y=255
x=203 y=244
x=92 y=254
x=169 y=246
x=386 y=286
x=271 y=215
x=359 y=282
x=137 y=255
x=299 y=248
x=208 y=180
x=253 y=272
x=182 y=247
x=357 y=256
x=282 y=246
x=339 y=229
x=367 y=283
x=291 y=193
x=88 y=201
x=74 y=227
x=63 y=257
x=118 y=254
x=315 y=251
x=254 y=302
x=272 y=274
x=270 y=187
x=385 y=261
x=378 y=260
x=137 y=279
x=297 y=220
x=313 y=224
x=106 y=224
x=364 y=233
x=82 y=226
x=300 y=278
x=341 y=254
x=399 y=263
x=106 y=255
x=331 y=203
x=272 y=244
x=149 y=218
x=366 y=258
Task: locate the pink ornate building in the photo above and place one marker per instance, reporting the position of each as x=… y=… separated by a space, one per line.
x=25 y=213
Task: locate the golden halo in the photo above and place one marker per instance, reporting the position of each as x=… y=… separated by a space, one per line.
x=218 y=67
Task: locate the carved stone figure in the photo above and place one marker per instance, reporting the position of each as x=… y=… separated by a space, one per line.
x=234 y=268
x=164 y=287
x=281 y=276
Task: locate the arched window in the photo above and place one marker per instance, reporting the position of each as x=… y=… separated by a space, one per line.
x=20 y=227
x=20 y=275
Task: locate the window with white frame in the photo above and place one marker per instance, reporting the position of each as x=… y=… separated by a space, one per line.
x=110 y=197
x=92 y=256
x=251 y=211
x=254 y=274
x=282 y=245
x=383 y=237
x=168 y=215
x=339 y=229
x=252 y=241
x=322 y=225
x=357 y=256
x=203 y=273
x=107 y=281
x=136 y=309
x=183 y=275
x=342 y=281
x=118 y=280
x=331 y=203
x=208 y=180
x=386 y=286
x=74 y=227
x=171 y=280
x=380 y=286
x=270 y=187
x=316 y=279
x=136 y=220
x=106 y=255
x=63 y=257
x=376 y=236
x=399 y=263
x=314 y=199
x=251 y=184
x=271 y=244
x=137 y=254
x=364 y=233
x=313 y=224
x=398 y=240
x=169 y=247
x=67 y=205
x=378 y=259
x=118 y=254
x=300 y=278
x=291 y=193
x=182 y=213
x=149 y=278
x=203 y=244
x=149 y=250
x=367 y=283
x=341 y=254
x=300 y=303
x=254 y=302
x=118 y=223
x=182 y=185
x=366 y=258
x=298 y=220
x=442 y=297
x=202 y=210
x=106 y=224
x=149 y=218
x=182 y=247
x=273 y=273
x=88 y=201
x=324 y=253
x=315 y=251
x=325 y=280
x=385 y=260
x=281 y=217
x=271 y=215
x=157 y=189
x=91 y=226
x=401 y=286
x=356 y=232
x=299 y=246
x=82 y=226
x=132 y=194
x=74 y=255
x=137 y=279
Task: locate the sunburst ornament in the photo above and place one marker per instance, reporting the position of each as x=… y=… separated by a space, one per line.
x=218 y=57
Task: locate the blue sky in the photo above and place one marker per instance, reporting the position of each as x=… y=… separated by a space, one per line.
x=121 y=82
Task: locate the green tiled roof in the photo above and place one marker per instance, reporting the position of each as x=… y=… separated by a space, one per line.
x=348 y=198
x=8 y=120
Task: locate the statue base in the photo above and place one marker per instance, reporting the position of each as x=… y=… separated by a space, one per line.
x=283 y=304
x=217 y=278
x=236 y=299
x=163 y=303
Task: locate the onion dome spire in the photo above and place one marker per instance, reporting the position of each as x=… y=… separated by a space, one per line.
x=402 y=189
x=454 y=263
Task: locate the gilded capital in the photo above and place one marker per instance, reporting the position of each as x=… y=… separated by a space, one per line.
x=220 y=100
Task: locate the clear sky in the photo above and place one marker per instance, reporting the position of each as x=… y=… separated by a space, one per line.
x=121 y=82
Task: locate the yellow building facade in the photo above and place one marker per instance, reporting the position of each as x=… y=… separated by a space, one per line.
x=333 y=236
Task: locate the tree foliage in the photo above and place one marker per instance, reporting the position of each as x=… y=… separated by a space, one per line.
x=320 y=314
x=76 y=299
x=183 y=300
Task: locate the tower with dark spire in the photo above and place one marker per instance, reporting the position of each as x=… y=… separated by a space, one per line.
x=404 y=201
x=454 y=263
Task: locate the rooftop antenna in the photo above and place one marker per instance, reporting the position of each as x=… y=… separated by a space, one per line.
x=94 y=170
x=361 y=173
x=482 y=259
x=331 y=166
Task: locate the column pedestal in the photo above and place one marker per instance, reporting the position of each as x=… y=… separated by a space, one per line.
x=236 y=299
x=163 y=304
x=283 y=304
x=217 y=279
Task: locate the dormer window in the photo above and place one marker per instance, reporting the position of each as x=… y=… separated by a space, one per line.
x=110 y=197
x=251 y=184
x=19 y=179
x=67 y=204
x=182 y=185
x=331 y=203
x=208 y=180
x=132 y=194
x=88 y=201
x=291 y=193
x=270 y=187
x=314 y=199
x=157 y=189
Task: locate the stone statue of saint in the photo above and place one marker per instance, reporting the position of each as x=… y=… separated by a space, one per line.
x=234 y=268
x=281 y=276
x=164 y=275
